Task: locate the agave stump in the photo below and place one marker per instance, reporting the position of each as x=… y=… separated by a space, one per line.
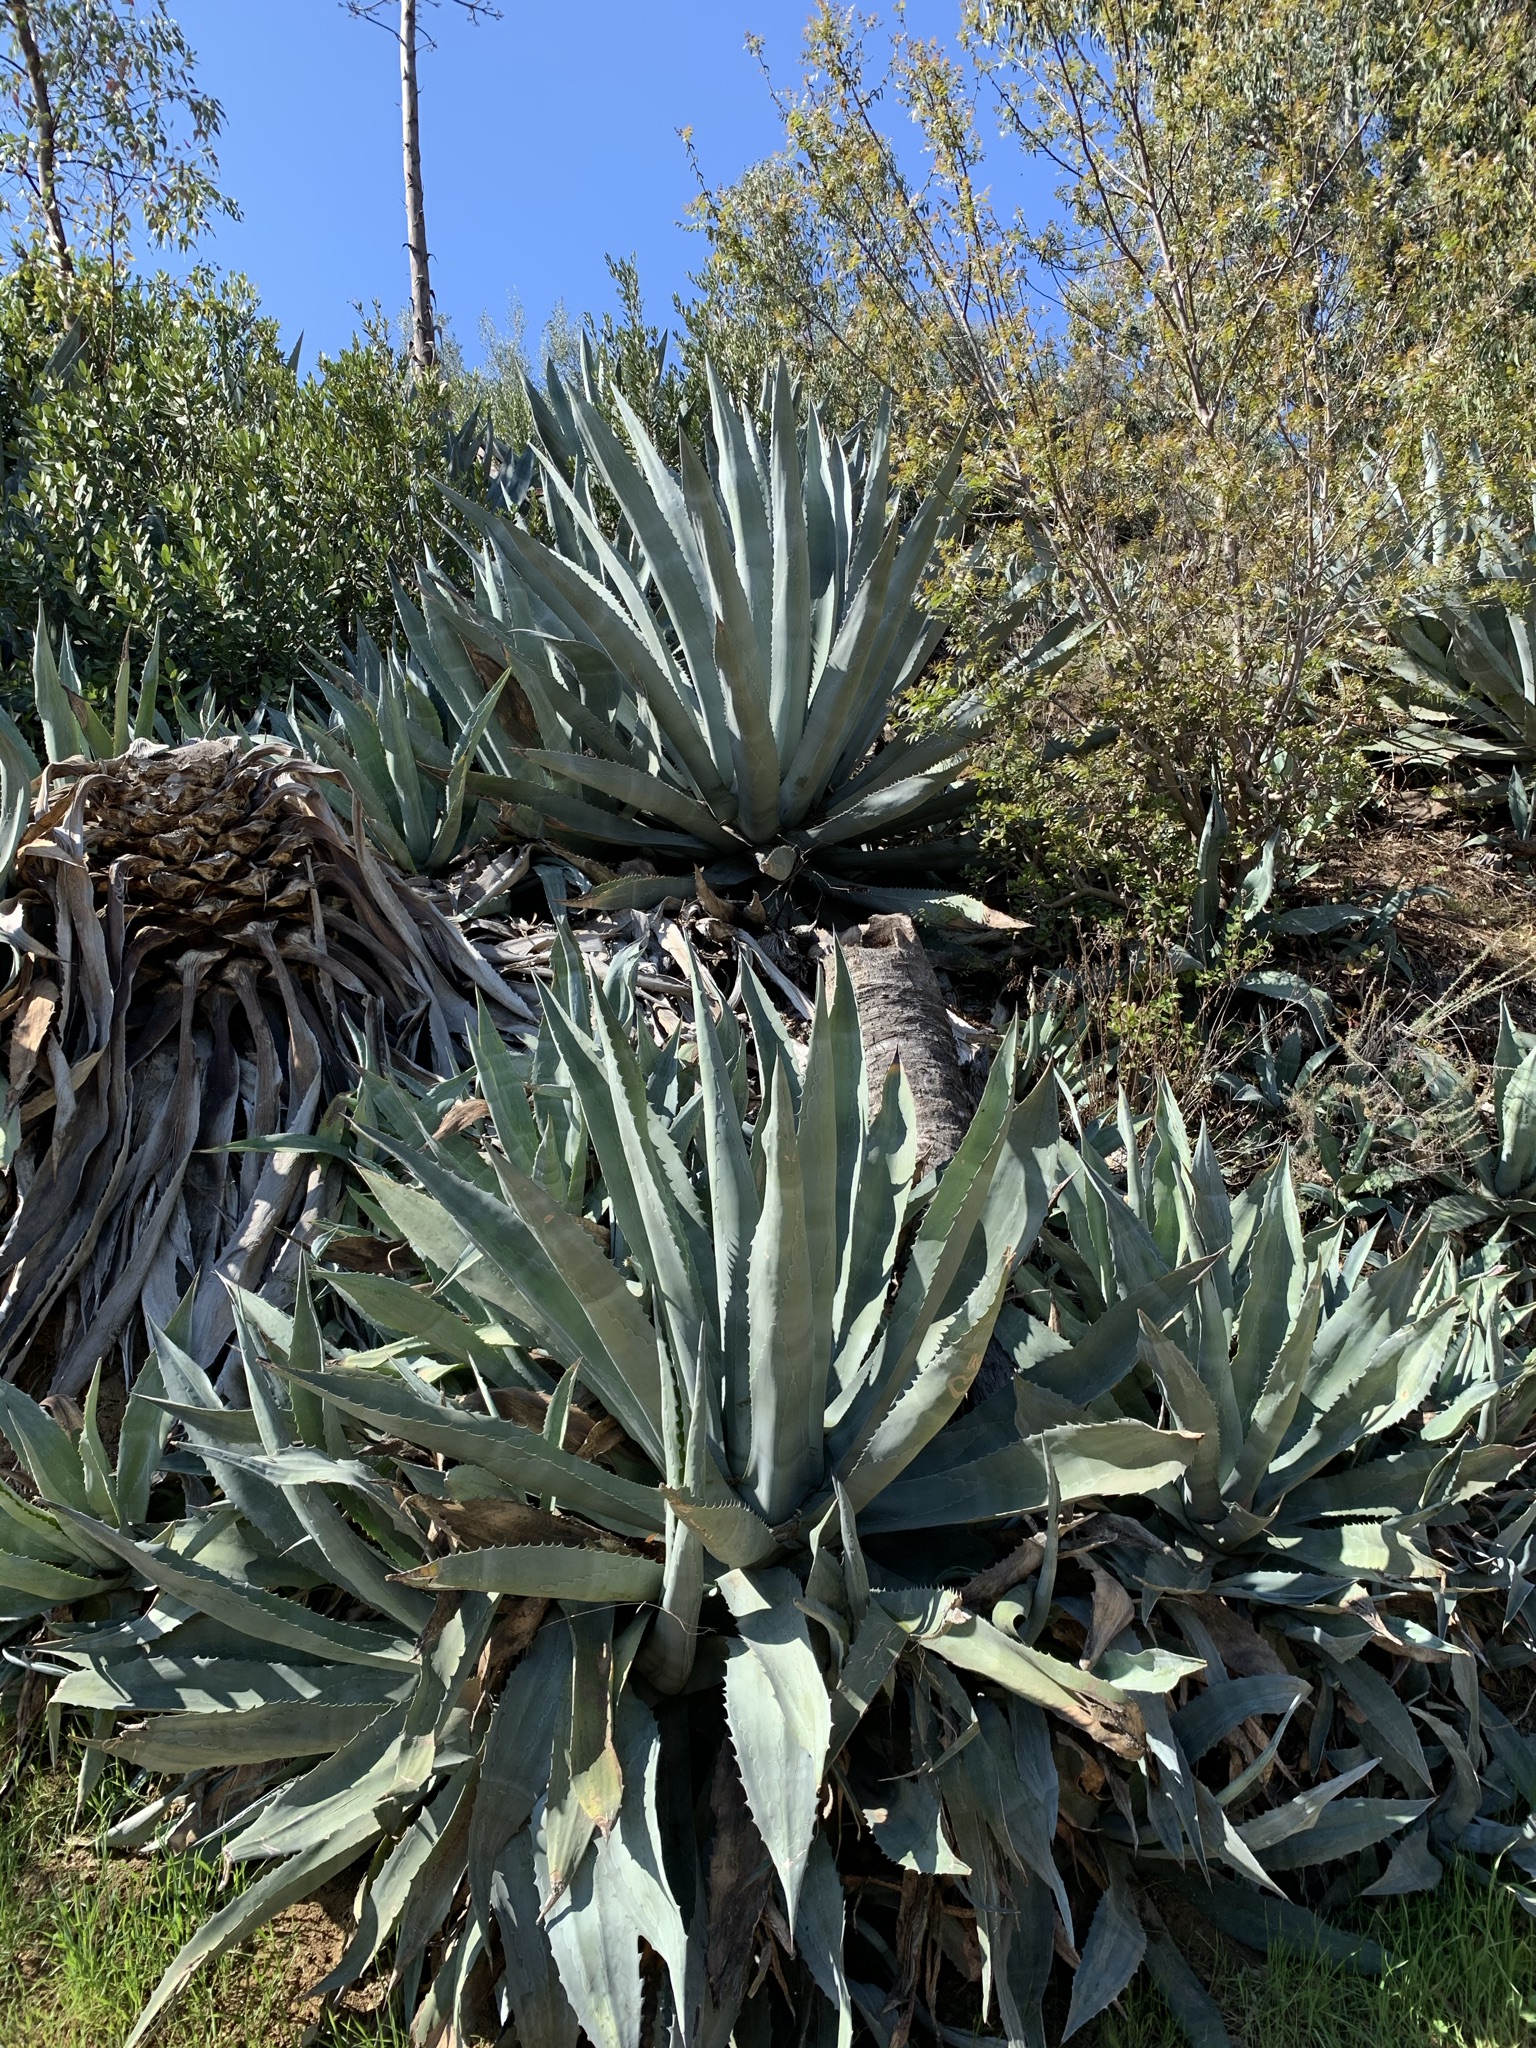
x=903 y=1015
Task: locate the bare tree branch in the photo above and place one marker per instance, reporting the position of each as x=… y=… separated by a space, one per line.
x=406 y=28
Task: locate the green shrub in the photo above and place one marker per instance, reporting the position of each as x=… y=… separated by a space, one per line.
x=169 y=465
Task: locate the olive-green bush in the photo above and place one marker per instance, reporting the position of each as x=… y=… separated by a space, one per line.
x=168 y=461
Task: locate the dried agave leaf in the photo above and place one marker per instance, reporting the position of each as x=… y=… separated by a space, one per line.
x=223 y=947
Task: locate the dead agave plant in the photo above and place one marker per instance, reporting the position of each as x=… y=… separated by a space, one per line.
x=200 y=955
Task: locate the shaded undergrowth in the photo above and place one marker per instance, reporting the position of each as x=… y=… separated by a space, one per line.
x=1463 y=1975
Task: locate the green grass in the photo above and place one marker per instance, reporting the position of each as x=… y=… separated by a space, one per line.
x=85 y=1935
x=1464 y=1977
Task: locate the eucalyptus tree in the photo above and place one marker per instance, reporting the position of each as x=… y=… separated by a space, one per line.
x=104 y=129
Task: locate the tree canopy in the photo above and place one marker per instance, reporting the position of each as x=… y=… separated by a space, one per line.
x=105 y=130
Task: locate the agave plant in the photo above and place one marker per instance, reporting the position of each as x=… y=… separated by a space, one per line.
x=664 y=1617
x=1462 y=646
x=44 y=1562
x=385 y=725
x=1369 y=1167
x=1228 y=935
x=1522 y=814
x=200 y=950
x=18 y=772
x=1359 y=1423
x=73 y=730
x=760 y=1396
x=476 y=458
x=710 y=687
x=1287 y=1354
x=1501 y=1164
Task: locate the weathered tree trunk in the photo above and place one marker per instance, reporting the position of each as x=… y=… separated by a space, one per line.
x=903 y=1015
x=43 y=124
x=423 y=326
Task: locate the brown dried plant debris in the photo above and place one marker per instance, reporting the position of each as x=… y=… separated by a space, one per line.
x=1470 y=939
x=203 y=950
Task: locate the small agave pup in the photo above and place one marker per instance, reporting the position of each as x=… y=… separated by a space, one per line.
x=1503 y=1166
x=383 y=722
x=667 y=1632
x=72 y=729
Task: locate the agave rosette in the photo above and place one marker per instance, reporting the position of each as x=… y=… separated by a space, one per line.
x=197 y=951
x=694 y=1623
x=709 y=686
x=1461 y=644
x=1501 y=1162
x=387 y=740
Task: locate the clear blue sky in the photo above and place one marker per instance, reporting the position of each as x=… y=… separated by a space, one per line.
x=550 y=139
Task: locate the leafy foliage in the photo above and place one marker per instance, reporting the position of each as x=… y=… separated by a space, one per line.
x=795 y=1610
x=107 y=128
x=1188 y=380
x=168 y=467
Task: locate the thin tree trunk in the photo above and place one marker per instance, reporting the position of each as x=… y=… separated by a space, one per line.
x=902 y=1015
x=42 y=114
x=423 y=327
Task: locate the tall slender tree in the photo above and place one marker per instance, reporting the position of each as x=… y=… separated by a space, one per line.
x=405 y=26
